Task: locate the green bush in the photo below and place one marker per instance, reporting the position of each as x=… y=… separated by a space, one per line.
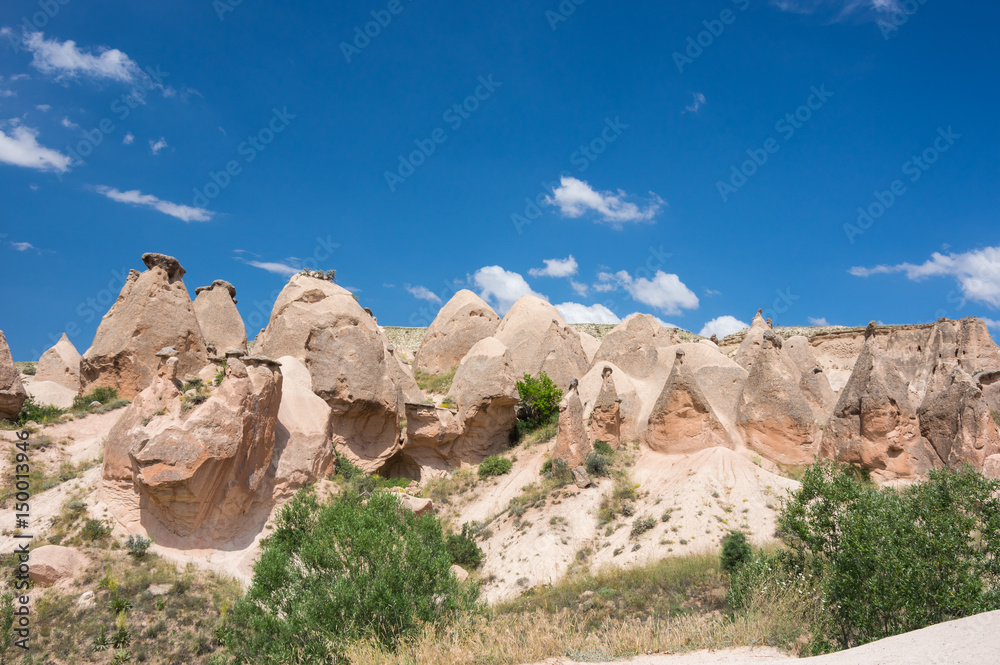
x=539 y=400
x=463 y=549
x=603 y=448
x=29 y=370
x=892 y=561
x=735 y=551
x=42 y=415
x=103 y=395
x=495 y=465
x=641 y=526
x=137 y=546
x=95 y=530
x=353 y=568
x=598 y=464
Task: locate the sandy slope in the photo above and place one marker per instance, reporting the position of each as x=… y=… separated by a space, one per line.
x=971 y=641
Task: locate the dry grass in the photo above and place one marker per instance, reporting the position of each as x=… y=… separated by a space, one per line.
x=435 y=384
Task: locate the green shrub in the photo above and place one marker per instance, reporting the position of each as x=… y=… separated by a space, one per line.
x=603 y=448
x=42 y=415
x=463 y=548
x=495 y=465
x=598 y=464
x=996 y=416
x=104 y=395
x=892 y=561
x=29 y=370
x=641 y=526
x=348 y=569
x=347 y=469
x=735 y=551
x=95 y=530
x=137 y=546
x=539 y=400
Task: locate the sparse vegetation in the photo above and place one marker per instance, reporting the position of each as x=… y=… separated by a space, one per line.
x=495 y=465
x=618 y=501
x=435 y=384
x=328 y=275
x=641 y=525
x=137 y=546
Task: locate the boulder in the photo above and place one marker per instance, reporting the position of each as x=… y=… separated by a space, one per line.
x=194 y=469
x=875 y=424
x=50 y=393
x=540 y=341
x=581 y=478
x=153 y=311
x=417 y=505
x=346 y=353
x=220 y=321
x=462 y=322
x=12 y=392
x=60 y=365
x=461 y=574
x=683 y=419
x=956 y=420
x=51 y=564
x=303 y=451
x=572 y=443
x=634 y=345
x=606 y=417
x=775 y=416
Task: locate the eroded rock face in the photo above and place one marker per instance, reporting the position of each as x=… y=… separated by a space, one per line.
x=956 y=420
x=775 y=416
x=195 y=470
x=540 y=341
x=220 y=321
x=683 y=419
x=153 y=311
x=753 y=342
x=462 y=322
x=630 y=404
x=633 y=345
x=12 y=392
x=875 y=424
x=322 y=325
x=303 y=451
x=61 y=365
x=572 y=442
x=606 y=418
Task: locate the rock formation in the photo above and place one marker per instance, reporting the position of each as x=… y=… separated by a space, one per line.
x=61 y=365
x=753 y=341
x=322 y=325
x=189 y=468
x=12 y=392
x=606 y=417
x=462 y=322
x=633 y=345
x=957 y=422
x=630 y=404
x=220 y=321
x=572 y=443
x=590 y=346
x=682 y=419
x=303 y=451
x=51 y=564
x=540 y=341
x=153 y=311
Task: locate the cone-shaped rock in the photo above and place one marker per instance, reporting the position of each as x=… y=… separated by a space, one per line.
x=633 y=345
x=540 y=341
x=153 y=311
x=630 y=405
x=60 y=364
x=753 y=341
x=956 y=420
x=572 y=443
x=463 y=321
x=682 y=419
x=606 y=418
x=220 y=321
x=12 y=392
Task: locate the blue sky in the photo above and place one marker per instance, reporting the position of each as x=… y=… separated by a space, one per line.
x=692 y=160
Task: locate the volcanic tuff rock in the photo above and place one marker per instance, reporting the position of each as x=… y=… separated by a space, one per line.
x=463 y=321
x=347 y=356
x=194 y=469
x=634 y=346
x=590 y=346
x=752 y=342
x=53 y=563
x=606 y=418
x=629 y=402
x=220 y=321
x=572 y=443
x=60 y=364
x=153 y=311
x=12 y=393
x=956 y=420
x=682 y=419
x=540 y=341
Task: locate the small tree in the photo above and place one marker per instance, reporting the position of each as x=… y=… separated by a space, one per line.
x=539 y=400
x=735 y=551
x=495 y=465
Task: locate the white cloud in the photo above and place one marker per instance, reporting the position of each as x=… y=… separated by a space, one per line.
x=7 y=93
x=422 y=293
x=276 y=268
x=21 y=148
x=69 y=124
x=990 y=323
x=23 y=246
x=723 y=326
x=129 y=137
x=576 y=313
x=580 y=289
x=501 y=288
x=712 y=292
x=66 y=60
x=842 y=9
x=575 y=198
x=556 y=268
x=977 y=272
x=157 y=146
x=44 y=108
x=666 y=292
x=818 y=322
x=699 y=101
x=135 y=197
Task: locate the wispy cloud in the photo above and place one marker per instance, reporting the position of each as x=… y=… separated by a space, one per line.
x=501 y=288
x=156 y=146
x=271 y=266
x=556 y=268
x=699 y=101
x=818 y=322
x=977 y=272
x=129 y=137
x=23 y=246
x=69 y=124
x=723 y=326
x=21 y=148
x=422 y=293
x=575 y=198
x=65 y=60
x=44 y=108
x=840 y=9
x=666 y=292
x=135 y=197
x=576 y=313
